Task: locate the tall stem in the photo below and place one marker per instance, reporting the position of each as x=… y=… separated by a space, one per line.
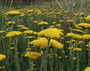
x=88 y=55
x=77 y=61
x=47 y=50
x=16 y=56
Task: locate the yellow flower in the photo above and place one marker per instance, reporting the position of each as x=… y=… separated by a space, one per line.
x=17 y=52
x=50 y=33
x=20 y=26
x=28 y=70
x=2 y=32
x=34 y=64
x=2 y=57
x=10 y=22
x=69 y=21
x=74 y=58
x=61 y=21
x=12 y=43
x=34 y=21
x=78 y=27
x=35 y=33
x=77 y=49
x=12 y=48
x=67 y=55
x=41 y=42
x=70 y=34
x=35 y=69
x=9 y=35
x=69 y=48
x=77 y=30
x=16 y=33
x=53 y=23
x=60 y=57
x=24 y=28
x=56 y=44
x=32 y=55
x=41 y=52
x=30 y=11
x=3 y=66
x=13 y=33
x=77 y=36
x=21 y=15
x=58 y=25
x=13 y=13
x=87 y=69
x=62 y=38
x=42 y=23
x=52 y=26
x=0 y=67
x=87 y=45
x=88 y=18
x=83 y=25
x=28 y=49
x=28 y=32
x=86 y=36
x=29 y=37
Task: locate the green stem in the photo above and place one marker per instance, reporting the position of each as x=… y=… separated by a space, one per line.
x=31 y=64
x=77 y=61
x=10 y=4
x=42 y=61
x=89 y=55
x=70 y=48
x=28 y=43
x=11 y=29
x=47 y=50
x=16 y=50
x=51 y=61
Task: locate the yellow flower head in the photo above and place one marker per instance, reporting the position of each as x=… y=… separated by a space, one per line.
x=10 y=22
x=42 y=23
x=50 y=33
x=70 y=34
x=41 y=42
x=13 y=13
x=77 y=49
x=69 y=21
x=2 y=57
x=21 y=15
x=24 y=28
x=83 y=25
x=74 y=58
x=88 y=18
x=32 y=55
x=53 y=23
x=30 y=11
x=87 y=69
x=77 y=36
x=87 y=45
x=86 y=36
x=56 y=44
x=20 y=26
x=28 y=32
x=34 y=21
x=58 y=25
x=12 y=48
x=77 y=30
x=61 y=21
x=2 y=32
x=13 y=33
